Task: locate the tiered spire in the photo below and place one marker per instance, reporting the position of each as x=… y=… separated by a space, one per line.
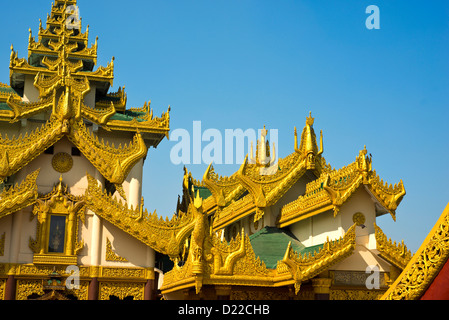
x=60 y=64
x=64 y=16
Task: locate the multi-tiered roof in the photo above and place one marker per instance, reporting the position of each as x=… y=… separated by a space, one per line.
x=61 y=65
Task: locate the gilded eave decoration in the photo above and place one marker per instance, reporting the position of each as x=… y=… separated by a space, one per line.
x=425 y=264
x=213 y=261
x=247 y=191
x=306 y=267
x=20 y=196
x=165 y=236
x=333 y=188
x=395 y=253
x=59 y=62
x=264 y=189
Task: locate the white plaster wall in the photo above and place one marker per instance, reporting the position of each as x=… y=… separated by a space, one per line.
x=89 y=99
x=316 y=229
x=28 y=230
x=75 y=179
x=361 y=258
x=359 y=202
x=30 y=93
x=298 y=189
x=6 y=228
x=124 y=245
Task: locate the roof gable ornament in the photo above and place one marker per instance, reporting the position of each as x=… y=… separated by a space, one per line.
x=308 y=147
x=264 y=158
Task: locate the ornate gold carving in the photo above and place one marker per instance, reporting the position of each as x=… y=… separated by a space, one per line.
x=350 y=294
x=210 y=260
x=26 y=288
x=111 y=255
x=308 y=146
x=113 y=163
x=303 y=268
x=165 y=236
x=121 y=290
x=358 y=218
x=396 y=254
x=61 y=63
x=18 y=152
x=333 y=188
x=58 y=203
x=19 y=196
x=62 y=162
x=424 y=265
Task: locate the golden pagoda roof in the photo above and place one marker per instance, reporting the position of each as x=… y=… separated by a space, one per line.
x=61 y=64
x=213 y=261
x=248 y=191
x=333 y=188
x=59 y=59
x=165 y=236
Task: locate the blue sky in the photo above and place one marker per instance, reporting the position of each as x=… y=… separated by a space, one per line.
x=244 y=64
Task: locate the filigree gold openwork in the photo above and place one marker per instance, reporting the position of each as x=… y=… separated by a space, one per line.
x=62 y=162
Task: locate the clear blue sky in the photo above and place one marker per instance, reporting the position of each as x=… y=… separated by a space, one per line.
x=242 y=64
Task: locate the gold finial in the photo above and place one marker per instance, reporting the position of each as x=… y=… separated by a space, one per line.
x=310 y=120
x=60 y=184
x=198 y=202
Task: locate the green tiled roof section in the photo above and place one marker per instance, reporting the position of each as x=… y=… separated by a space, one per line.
x=7 y=90
x=270 y=244
x=204 y=192
x=4 y=106
x=127 y=116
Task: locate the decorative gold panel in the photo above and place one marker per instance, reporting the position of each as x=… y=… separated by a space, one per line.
x=62 y=162
x=121 y=290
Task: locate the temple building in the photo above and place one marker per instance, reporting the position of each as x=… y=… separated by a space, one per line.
x=61 y=129
x=71 y=206
x=292 y=229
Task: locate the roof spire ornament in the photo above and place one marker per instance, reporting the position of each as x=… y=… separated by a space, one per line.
x=309 y=119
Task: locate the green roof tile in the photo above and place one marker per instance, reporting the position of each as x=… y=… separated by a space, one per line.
x=270 y=244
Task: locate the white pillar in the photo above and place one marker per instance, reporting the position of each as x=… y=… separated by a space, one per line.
x=15 y=237
x=151 y=258
x=96 y=231
x=135 y=185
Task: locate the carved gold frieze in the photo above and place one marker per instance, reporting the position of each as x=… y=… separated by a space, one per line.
x=425 y=265
x=303 y=268
x=351 y=294
x=333 y=188
x=165 y=236
x=26 y=288
x=121 y=290
x=19 y=196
